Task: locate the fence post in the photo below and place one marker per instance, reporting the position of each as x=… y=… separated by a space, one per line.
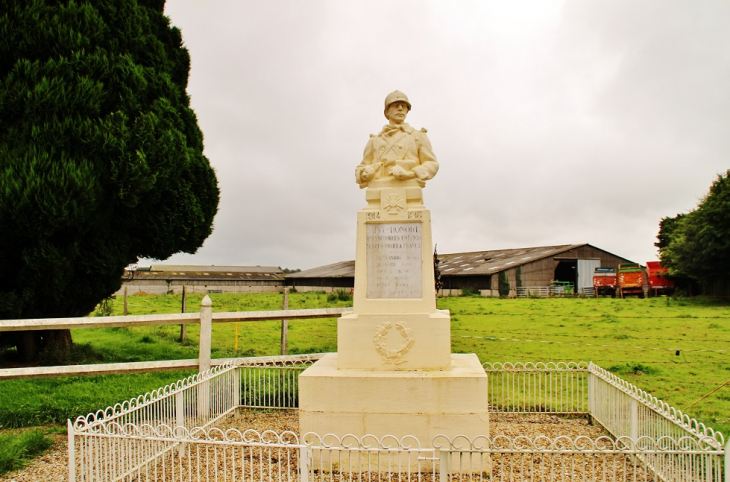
x=591 y=392
x=184 y=309
x=180 y=418
x=634 y=420
x=305 y=462
x=444 y=469
x=72 y=452
x=237 y=386
x=206 y=333
x=285 y=325
x=179 y=409
x=727 y=462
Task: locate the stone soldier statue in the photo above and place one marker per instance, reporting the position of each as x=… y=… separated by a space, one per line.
x=399 y=152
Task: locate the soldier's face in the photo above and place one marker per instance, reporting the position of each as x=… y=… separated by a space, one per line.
x=397 y=112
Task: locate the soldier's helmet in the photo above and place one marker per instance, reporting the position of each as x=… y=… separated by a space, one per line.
x=395 y=96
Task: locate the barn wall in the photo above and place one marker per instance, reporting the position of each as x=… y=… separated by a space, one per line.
x=542 y=271
x=452 y=285
x=511 y=274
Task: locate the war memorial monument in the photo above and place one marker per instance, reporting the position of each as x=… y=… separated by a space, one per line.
x=394 y=373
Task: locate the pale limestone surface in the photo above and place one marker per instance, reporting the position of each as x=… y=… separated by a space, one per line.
x=394 y=373
x=422 y=403
x=386 y=341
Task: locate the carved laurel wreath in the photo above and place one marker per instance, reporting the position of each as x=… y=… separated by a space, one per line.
x=393 y=355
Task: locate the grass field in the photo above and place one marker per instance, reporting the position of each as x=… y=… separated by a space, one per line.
x=676 y=349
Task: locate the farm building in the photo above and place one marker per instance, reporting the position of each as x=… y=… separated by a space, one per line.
x=160 y=279
x=526 y=270
x=325 y=278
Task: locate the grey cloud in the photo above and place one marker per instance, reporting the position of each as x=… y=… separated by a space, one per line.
x=581 y=122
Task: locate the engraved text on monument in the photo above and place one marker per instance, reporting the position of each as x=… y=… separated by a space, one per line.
x=394 y=260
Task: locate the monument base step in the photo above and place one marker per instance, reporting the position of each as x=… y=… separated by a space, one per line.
x=420 y=403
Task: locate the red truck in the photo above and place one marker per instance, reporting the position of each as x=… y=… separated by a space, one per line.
x=631 y=279
x=604 y=282
x=658 y=282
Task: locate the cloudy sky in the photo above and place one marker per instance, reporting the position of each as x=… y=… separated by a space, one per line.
x=554 y=122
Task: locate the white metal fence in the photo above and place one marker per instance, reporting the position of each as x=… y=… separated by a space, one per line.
x=544 y=291
x=178 y=433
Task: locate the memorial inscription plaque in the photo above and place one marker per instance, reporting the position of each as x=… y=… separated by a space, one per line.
x=394 y=260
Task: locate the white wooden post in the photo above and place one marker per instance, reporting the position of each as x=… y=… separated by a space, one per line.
x=206 y=333
x=727 y=462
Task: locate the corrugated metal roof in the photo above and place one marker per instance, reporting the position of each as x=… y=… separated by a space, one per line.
x=212 y=273
x=457 y=264
x=343 y=269
x=490 y=262
x=215 y=269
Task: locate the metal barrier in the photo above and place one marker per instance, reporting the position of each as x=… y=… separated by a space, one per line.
x=559 y=388
x=544 y=291
x=181 y=433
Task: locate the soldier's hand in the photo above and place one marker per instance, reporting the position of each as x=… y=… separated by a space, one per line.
x=401 y=174
x=367 y=174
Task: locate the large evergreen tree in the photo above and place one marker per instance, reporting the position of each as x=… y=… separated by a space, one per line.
x=101 y=157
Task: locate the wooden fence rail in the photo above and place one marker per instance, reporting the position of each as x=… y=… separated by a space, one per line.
x=205 y=318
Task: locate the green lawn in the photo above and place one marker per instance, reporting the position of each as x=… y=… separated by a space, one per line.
x=636 y=338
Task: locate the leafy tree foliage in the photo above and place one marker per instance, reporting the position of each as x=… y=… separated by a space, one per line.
x=503 y=284
x=696 y=245
x=101 y=157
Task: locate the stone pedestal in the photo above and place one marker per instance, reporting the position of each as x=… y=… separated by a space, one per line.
x=394 y=373
x=388 y=341
x=422 y=403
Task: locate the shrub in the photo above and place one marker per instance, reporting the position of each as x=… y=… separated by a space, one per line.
x=503 y=284
x=339 y=295
x=470 y=292
x=106 y=307
x=633 y=369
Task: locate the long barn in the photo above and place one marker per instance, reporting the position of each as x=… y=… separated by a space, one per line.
x=526 y=270
x=161 y=279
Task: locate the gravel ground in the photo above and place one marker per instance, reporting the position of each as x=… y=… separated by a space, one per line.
x=52 y=466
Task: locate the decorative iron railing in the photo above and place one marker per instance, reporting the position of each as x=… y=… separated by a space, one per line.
x=558 y=388
x=180 y=433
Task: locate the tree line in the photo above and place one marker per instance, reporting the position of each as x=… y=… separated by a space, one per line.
x=695 y=246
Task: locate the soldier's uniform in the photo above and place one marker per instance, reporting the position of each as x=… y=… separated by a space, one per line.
x=401 y=146
x=398 y=145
